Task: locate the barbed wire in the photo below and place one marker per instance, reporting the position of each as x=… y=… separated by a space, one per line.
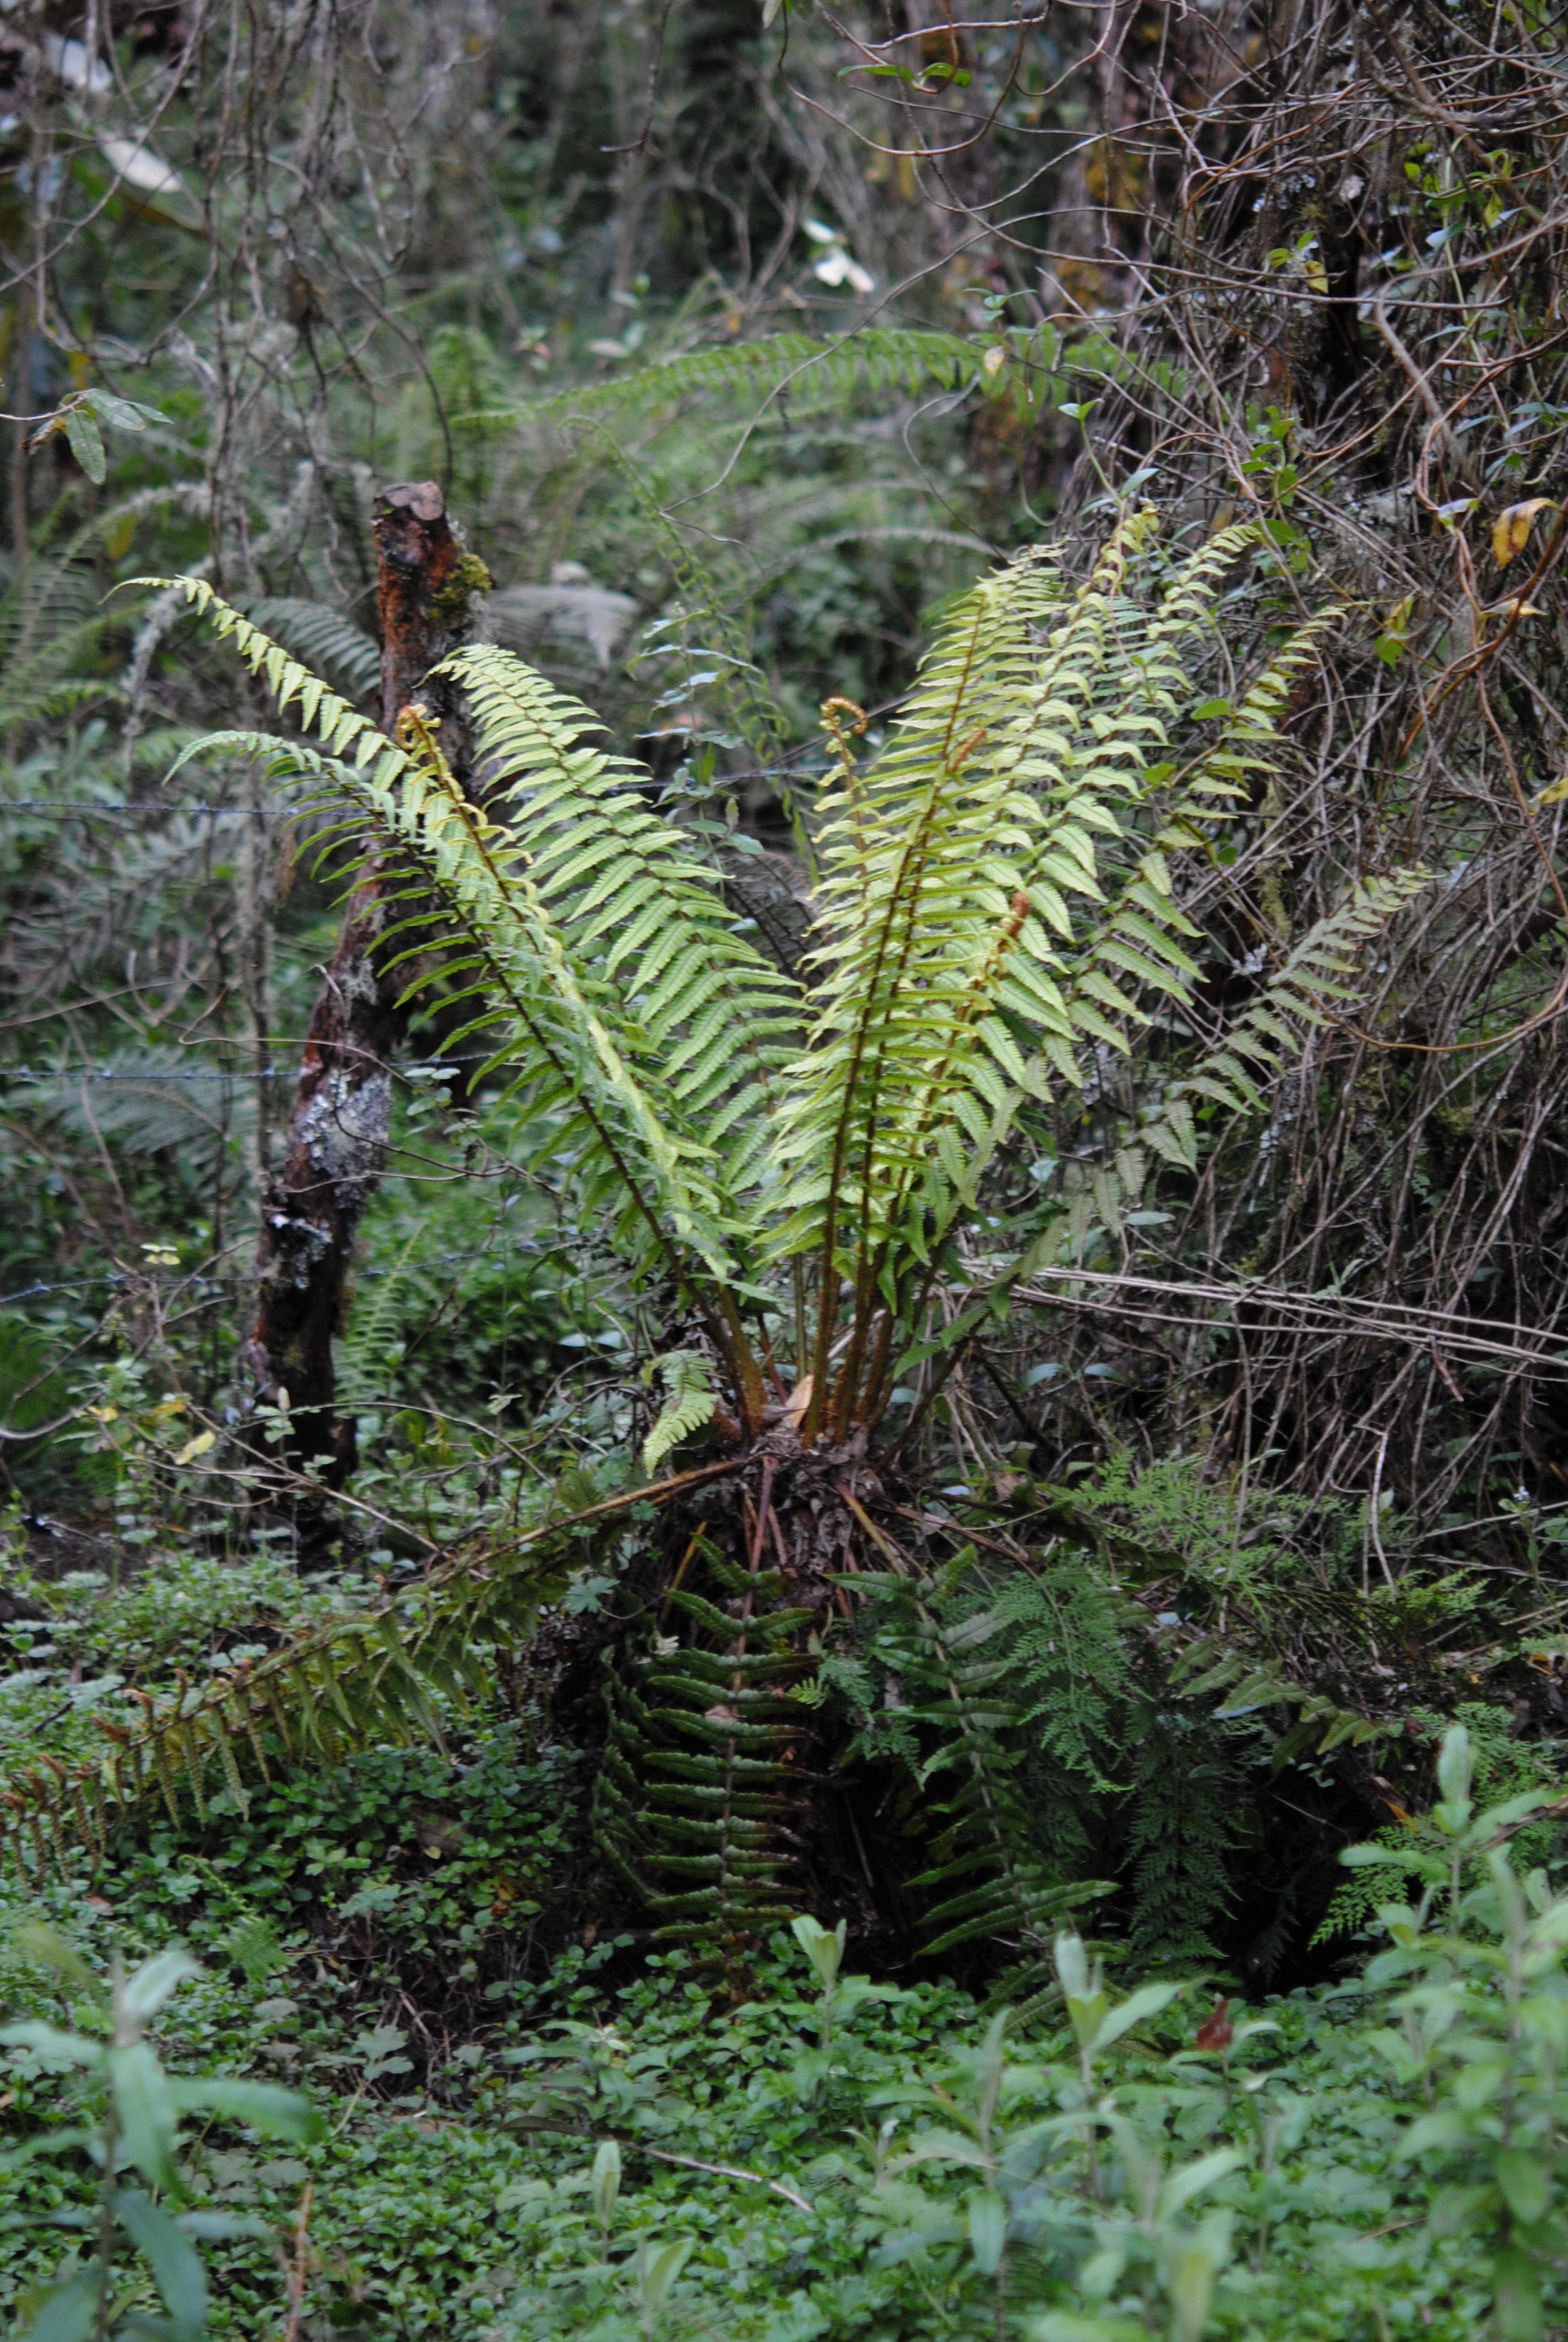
x=125 y=809
x=154 y=1074
x=529 y=1247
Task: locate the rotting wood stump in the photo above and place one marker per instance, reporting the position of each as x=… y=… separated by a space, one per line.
x=340 y=1124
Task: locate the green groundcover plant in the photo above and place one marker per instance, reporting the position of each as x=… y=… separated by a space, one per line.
x=836 y=2157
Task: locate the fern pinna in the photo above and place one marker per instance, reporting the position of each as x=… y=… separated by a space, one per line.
x=792 y=1166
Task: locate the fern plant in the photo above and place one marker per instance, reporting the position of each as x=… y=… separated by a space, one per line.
x=993 y=1874
x=789 y=1165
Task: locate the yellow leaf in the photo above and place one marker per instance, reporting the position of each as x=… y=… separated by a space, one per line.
x=103 y=1414
x=197 y=1446
x=1511 y=529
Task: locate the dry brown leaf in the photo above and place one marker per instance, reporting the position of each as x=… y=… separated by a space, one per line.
x=1511 y=529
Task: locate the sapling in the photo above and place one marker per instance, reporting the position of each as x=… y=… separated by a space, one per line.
x=130 y=2233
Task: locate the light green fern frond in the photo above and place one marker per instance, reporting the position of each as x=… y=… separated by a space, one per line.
x=1255 y=1047
x=712 y=1016
x=967 y=952
x=690 y=1401
x=604 y=965
x=874 y=359
x=374 y=1344
x=567 y=1027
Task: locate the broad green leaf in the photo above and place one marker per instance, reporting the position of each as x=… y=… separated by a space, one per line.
x=1516 y=2296
x=658 y=2267
x=86 y=443
x=172 y=2259
x=1147 y=2002
x=47 y=2142
x=1192 y=2178
x=33 y=1940
x=1456 y=1769
x=145 y=1990
x=1190 y=2276
x=125 y=413
x=823 y=1947
x=146 y=2113
x=987 y=2220
x=67 y=2314
x=606 y=2180
x=1073 y=1966
x=262 y=2105
x=48 y=2041
x=1525 y=2182
x=1441 y=2129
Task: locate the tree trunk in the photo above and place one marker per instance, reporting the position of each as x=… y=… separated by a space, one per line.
x=339 y=1127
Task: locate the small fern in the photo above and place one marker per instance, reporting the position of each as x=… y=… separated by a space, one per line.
x=1181 y=1829
x=373 y=1346
x=690 y=1401
x=991 y=1877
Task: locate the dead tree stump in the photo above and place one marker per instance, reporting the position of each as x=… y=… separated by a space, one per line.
x=340 y=1124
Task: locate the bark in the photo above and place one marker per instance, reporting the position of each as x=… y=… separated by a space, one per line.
x=339 y=1127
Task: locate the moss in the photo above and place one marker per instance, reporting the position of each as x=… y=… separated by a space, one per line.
x=449 y=607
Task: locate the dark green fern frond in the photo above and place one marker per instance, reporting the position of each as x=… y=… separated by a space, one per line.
x=991 y=1879
x=323 y=639
x=384 y=1672
x=1181 y=1832
x=704 y=1768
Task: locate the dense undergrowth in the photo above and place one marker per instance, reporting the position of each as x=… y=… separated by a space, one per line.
x=926 y=1697
x=599 y=2150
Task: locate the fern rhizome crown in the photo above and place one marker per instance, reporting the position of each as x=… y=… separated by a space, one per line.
x=793 y=1162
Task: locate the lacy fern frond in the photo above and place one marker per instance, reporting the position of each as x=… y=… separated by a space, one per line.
x=990 y=1877
x=50 y=624
x=374 y=1344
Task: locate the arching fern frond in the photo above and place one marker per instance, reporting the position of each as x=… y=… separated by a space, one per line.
x=384 y=1672
x=876 y=358
x=1254 y=1046
x=713 y=1017
x=690 y=1401
x=602 y=956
